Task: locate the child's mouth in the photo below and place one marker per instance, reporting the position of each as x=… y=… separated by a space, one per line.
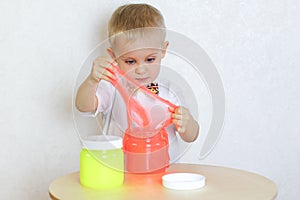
x=142 y=80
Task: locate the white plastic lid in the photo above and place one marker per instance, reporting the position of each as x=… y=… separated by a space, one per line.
x=183 y=181
x=102 y=142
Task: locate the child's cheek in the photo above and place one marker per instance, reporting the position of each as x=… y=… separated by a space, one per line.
x=125 y=68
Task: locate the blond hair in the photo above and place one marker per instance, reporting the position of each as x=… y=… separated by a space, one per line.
x=132 y=17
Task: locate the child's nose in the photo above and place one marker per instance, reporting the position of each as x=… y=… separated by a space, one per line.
x=140 y=69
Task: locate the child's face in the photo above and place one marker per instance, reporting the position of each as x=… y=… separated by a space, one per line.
x=140 y=59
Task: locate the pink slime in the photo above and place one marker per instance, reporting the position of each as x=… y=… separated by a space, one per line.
x=136 y=112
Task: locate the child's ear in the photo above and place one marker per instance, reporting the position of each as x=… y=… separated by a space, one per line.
x=164 y=49
x=111 y=53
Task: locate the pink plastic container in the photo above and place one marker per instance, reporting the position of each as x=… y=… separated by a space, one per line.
x=146 y=155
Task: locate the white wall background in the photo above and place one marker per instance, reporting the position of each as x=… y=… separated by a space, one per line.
x=254 y=45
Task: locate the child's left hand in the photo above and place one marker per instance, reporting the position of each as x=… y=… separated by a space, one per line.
x=186 y=126
x=181 y=117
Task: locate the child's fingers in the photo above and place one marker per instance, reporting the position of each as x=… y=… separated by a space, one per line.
x=180 y=129
x=181 y=110
x=103 y=60
x=176 y=116
x=171 y=109
x=102 y=71
x=108 y=73
x=106 y=78
x=177 y=122
x=180 y=116
x=102 y=75
x=109 y=77
x=112 y=63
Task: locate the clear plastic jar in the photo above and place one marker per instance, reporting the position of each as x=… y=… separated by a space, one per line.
x=102 y=162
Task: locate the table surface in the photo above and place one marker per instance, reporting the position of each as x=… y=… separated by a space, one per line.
x=221 y=183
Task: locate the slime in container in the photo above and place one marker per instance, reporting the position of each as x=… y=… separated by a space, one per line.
x=102 y=162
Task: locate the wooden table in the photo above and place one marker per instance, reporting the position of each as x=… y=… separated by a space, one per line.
x=221 y=184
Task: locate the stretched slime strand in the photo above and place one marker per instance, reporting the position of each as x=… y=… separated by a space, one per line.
x=136 y=111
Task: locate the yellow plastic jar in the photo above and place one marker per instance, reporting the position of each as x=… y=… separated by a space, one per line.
x=102 y=162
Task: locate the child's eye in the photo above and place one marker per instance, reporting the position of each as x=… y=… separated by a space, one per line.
x=150 y=60
x=130 y=62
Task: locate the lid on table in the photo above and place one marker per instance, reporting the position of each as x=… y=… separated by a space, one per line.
x=183 y=181
x=102 y=142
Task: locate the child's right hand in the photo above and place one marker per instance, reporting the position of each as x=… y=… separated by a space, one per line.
x=99 y=69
